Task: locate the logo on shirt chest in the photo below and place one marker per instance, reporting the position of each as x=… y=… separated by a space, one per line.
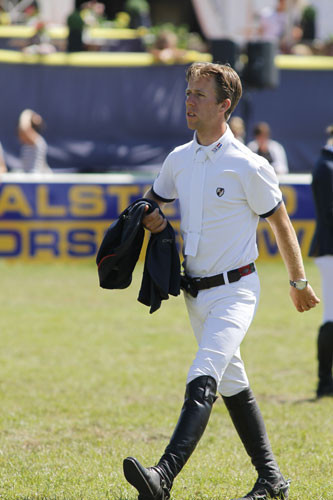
x=219 y=191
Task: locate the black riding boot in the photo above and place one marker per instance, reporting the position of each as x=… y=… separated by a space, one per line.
x=248 y=421
x=154 y=483
x=325 y=359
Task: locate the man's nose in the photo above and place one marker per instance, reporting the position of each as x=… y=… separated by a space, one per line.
x=189 y=100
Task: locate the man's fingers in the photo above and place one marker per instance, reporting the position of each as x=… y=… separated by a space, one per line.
x=154 y=221
x=304 y=300
x=157 y=228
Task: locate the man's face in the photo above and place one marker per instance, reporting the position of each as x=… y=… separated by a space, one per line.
x=202 y=109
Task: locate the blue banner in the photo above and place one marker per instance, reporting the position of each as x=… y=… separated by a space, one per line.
x=65 y=217
x=106 y=112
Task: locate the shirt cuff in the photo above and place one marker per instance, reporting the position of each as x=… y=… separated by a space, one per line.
x=166 y=200
x=271 y=212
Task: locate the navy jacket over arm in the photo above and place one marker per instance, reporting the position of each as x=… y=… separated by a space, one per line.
x=121 y=247
x=120 y=251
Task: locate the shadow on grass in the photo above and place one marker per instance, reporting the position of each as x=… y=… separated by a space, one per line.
x=291 y=400
x=314 y=399
x=305 y=400
x=60 y=497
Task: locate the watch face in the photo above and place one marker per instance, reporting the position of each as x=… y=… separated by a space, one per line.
x=301 y=284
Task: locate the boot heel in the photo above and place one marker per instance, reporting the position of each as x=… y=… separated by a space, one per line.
x=284 y=493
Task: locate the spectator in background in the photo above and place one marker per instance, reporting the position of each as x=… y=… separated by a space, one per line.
x=34 y=146
x=75 y=25
x=92 y=13
x=322 y=249
x=307 y=44
x=4 y=17
x=139 y=10
x=280 y=25
x=273 y=22
x=165 y=48
x=40 y=42
x=264 y=146
x=3 y=166
x=237 y=126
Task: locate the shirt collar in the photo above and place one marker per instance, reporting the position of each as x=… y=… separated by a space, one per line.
x=215 y=149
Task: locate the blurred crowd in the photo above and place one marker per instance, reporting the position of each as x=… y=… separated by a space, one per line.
x=33 y=146
x=293 y=29
x=293 y=32
x=166 y=41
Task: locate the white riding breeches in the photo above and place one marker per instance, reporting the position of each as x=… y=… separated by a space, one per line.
x=220 y=318
x=325 y=265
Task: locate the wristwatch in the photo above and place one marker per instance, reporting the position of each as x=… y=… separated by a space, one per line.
x=299 y=284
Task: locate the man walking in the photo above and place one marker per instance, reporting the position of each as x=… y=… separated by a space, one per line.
x=223 y=188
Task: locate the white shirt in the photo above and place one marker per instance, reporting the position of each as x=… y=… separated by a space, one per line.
x=278 y=155
x=273 y=24
x=238 y=187
x=34 y=157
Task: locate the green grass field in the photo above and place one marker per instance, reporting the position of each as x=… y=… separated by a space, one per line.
x=88 y=376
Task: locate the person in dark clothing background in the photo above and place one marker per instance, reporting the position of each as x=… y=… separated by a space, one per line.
x=322 y=249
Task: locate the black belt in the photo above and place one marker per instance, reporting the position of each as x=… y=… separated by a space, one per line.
x=194 y=285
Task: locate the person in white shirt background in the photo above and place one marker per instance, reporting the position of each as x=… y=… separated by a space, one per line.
x=3 y=166
x=273 y=151
x=33 y=145
x=223 y=188
x=273 y=22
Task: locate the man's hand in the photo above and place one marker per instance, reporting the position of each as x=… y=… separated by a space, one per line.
x=154 y=221
x=304 y=300
x=286 y=238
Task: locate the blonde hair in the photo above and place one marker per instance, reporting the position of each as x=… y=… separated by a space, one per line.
x=227 y=82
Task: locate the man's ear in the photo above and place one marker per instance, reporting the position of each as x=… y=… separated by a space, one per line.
x=225 y=105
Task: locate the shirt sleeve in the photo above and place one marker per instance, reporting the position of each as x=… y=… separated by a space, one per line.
x=262 y=190
x=164 y=186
